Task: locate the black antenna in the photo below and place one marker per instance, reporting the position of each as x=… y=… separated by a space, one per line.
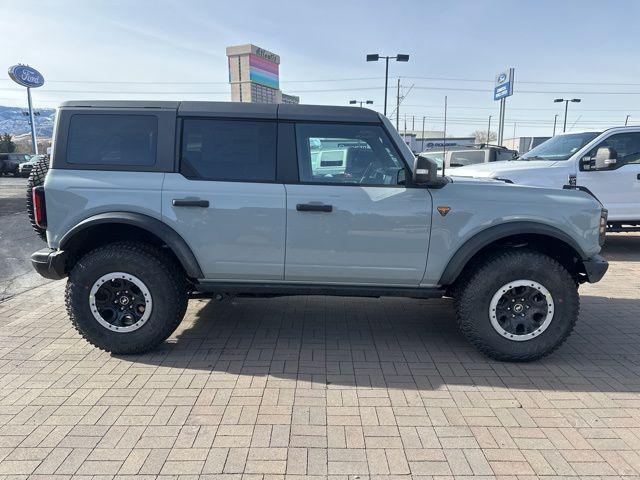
x=444 y=140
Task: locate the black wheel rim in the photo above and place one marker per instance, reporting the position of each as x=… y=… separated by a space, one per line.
x=120 y=302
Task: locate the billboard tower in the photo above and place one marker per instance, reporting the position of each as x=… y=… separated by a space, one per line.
x=254 y=75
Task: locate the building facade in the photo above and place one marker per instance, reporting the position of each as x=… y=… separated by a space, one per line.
x=254 y=75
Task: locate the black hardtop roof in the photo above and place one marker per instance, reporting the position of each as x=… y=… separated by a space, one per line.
x=240 y=110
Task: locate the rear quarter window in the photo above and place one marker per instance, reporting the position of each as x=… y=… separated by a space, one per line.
x=112 y=140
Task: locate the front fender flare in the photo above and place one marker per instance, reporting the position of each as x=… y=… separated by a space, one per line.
x=152 y=225
x=492 y=234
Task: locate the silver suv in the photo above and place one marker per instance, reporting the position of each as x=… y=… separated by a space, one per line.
x=148 y=203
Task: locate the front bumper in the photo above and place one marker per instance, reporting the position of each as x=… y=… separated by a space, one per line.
x=595 y=268
x=50 y=263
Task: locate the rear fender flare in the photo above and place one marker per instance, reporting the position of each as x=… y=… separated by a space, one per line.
x=152 y=225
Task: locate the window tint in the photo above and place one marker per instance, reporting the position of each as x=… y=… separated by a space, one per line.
x=228 y=150
x=112 y=140
x=349 y=154
x=626 y=146
x=460 y=159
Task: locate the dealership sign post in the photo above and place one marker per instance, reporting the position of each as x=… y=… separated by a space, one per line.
x=502 y=89
x=30 y=78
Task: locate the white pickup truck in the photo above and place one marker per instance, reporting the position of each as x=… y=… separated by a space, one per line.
x=606 y=164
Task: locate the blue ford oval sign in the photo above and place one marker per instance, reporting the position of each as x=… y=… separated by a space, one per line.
x=26 y=76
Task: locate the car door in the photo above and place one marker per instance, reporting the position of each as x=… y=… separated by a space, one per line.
x=353 y=221
x=225 y=201
x=616 y=184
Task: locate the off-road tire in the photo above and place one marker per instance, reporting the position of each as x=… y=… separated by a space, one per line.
x=164 y=279
x=477 y=287
x=36 y=178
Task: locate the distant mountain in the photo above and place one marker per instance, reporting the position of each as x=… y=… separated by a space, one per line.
x=13 y=122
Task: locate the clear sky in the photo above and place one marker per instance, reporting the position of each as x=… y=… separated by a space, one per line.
x=162 y=49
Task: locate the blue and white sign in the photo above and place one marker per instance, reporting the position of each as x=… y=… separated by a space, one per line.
x=504 y=85
x=26 y=76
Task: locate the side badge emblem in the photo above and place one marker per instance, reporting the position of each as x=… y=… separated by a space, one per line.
x=443 y=210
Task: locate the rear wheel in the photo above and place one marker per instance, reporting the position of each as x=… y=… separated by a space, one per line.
x=517 y=305
x=126 y=297
x=36 y=178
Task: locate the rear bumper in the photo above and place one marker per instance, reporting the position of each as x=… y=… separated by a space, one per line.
x=50 y=263
x=595 y=268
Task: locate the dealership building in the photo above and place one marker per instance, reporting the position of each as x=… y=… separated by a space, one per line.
x=254 y=75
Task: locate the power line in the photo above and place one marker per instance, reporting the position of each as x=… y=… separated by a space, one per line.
x=453 y=89
x=323 y=80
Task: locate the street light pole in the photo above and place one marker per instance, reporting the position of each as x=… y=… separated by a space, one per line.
x=626 y=120
x=361 y=102
x=374 y=57
x=489 y=130
x=386 y=83
x=555 y=119
x=566 y=109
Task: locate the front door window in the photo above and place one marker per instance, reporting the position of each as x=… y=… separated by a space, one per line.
x=347 y=154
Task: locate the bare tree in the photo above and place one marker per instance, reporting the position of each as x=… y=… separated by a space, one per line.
x=481 y=136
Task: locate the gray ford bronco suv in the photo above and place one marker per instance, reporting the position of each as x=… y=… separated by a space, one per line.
x=148 y=203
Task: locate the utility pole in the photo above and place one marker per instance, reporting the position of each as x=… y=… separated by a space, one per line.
x=398 y=106
x=489 y=131
x=514 y=129
x=422 y=145
x=405 y=125
x=555 y=119
x=413 y=123
x=444 y=139
x=626 y=120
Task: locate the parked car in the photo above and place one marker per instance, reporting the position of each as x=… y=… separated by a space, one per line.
x=605 y=164
x=10 y=162
x=470 y=155
x=24 y=169
x=147 y=203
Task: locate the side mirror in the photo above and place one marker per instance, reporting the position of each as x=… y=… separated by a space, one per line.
x=425 y=171
x=605 y=158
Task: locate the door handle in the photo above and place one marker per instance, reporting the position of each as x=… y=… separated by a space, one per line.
x=185 y=202
x=314 y=207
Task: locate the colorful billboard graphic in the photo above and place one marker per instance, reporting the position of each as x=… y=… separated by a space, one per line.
x=263 y=71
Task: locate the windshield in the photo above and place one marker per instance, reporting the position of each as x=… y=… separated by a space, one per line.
x=561 y=147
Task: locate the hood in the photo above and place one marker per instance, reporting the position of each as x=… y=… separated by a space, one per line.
x=497 y=168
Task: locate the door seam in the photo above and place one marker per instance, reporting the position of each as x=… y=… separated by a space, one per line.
x=286 y=229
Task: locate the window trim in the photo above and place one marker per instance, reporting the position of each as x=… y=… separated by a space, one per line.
x=166 y=118
x=180 y=144
x=407 y=169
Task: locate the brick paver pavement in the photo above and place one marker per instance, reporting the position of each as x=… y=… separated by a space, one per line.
x=322 y=387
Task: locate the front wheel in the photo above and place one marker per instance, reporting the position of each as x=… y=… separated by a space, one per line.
x=517 y=305
x=126 y=297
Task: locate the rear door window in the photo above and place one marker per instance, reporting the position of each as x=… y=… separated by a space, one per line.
x=112 y=140
x=228 y=150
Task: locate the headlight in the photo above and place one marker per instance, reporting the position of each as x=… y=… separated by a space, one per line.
x=603 y=225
